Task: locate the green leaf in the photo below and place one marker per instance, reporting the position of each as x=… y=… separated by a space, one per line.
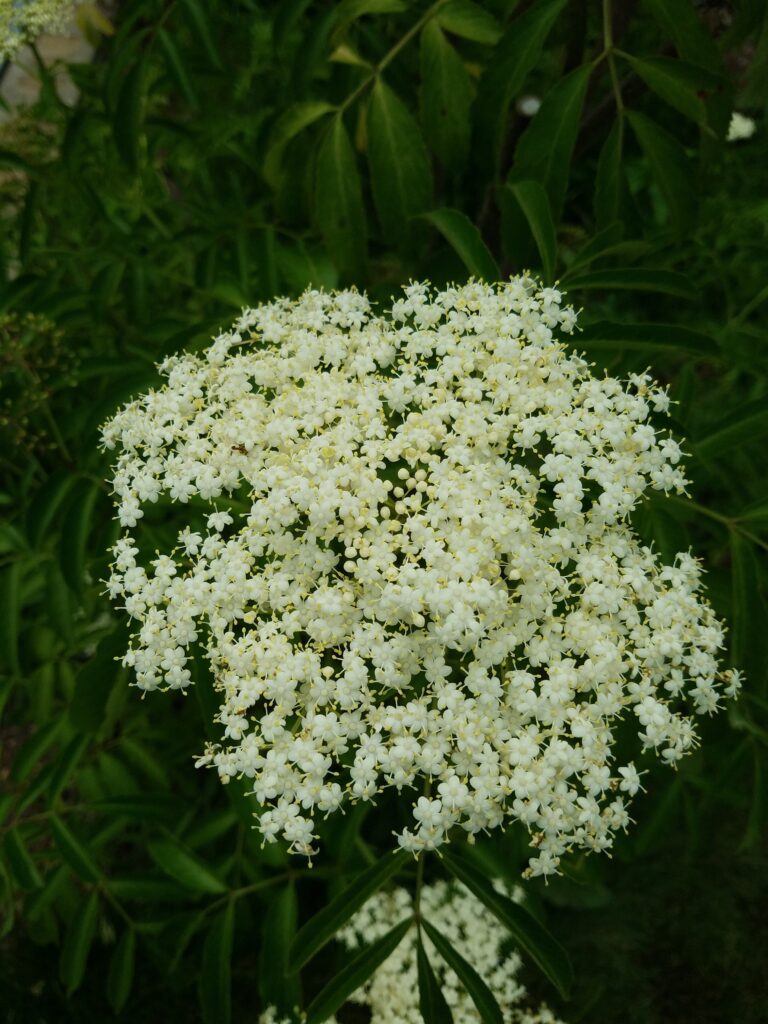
x=401 y=178
x=531 y=936
x=321 y=928
x=545 y=147
x=750 y=423
x=22 y=866
x=609 y=177
x=216 y=973
x=121 y=965
x=65 y=764
x=186 y=868
x=145 y=889
x=748 y=645
x=75 y=532
x=676 y=82
x=10 y=619
x=347 y=12
x=534 y=203
x=464 y=238
x=445 y=99
x=681 y=23
x=644 y=337
x=293 y=121
x=94 y=683
x=32 y=752
x=643 y=279
x=484 y=1000
x=355 y=973
x=199 y=22
x=432 y=1005
x=73 y=851
x=339 y=200
x=670 y=168
x=77 y=942
x=470 y=21
x=129 y=115
x=515 y=55
x=176 y=67
x=278 y=985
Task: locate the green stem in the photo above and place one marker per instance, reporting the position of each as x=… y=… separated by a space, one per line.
x=731 y=524
x=609 y=52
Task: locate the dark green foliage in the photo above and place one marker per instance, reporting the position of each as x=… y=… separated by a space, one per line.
x=224 y=152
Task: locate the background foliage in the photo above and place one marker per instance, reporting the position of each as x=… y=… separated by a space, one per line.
x=221 y=153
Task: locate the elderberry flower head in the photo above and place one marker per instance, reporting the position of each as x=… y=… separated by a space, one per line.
x=403 y=542
x=22 y=20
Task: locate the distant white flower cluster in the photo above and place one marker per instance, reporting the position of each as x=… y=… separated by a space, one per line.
x=22 y=20
x=741 y=127
x=420 y=566
x=392 y=991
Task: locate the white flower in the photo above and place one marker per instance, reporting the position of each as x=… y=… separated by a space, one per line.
x=740 y=127
x=428 y=571
x=22 y=21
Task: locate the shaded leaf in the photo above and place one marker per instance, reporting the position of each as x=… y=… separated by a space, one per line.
x=432 y=1005
x=121 y=966
x=185 y=867
x=644 y=279
x=515 y=55
x=676 y=82
x=470 y=21
x=73 y=851
x=216 y=973
x=94 y=682
x=199 y=22
x=680 y=22
x=670 y=169
x=459 y=231
x=10 y=619
x=129 y=115
x=748 y=644
x=321 y=928
x=545 y=147
x=531 y=936
x=293 y=121
x=278 y=985
x=642 y=337
x=750 y=423
x=23 y=867
x=534 y=203
x=355 y=973
x=339 y=200
x=445 y=99
x=484 y=1000
x=77 y=942
x=176 y=67
x=401 y=178
x=75 y=532
x=609 y=177
x=65 y=764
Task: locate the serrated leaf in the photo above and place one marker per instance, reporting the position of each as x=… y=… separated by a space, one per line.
x=670 y=168
x=445 y=99
x=129 y=115
x=676 y=82
x=339 y=200
x=484 y=1000
x=544 y=151
x=401 y=178
x=531 y=936
x=121 y=967
x=77 y=942
x=643 y=279
x=321 y=928
x=355 y=973
x=534 y=204
x=75 y=531
x=432 y=1005
x=750 y=423
x=644 y=337
x=216 y=973
x=470 y=21
x=23 y=867
x=293 y=121
x=185 y=867
x=515 y=55
x=278 y=985
x=73 y=851
x=464 y=238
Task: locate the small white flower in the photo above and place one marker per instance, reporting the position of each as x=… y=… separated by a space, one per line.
x=740 y=127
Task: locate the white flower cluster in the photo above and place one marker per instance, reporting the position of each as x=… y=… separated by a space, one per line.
x=22 y=20
x=392 y=992
x=740 y=127
x=420 y=564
